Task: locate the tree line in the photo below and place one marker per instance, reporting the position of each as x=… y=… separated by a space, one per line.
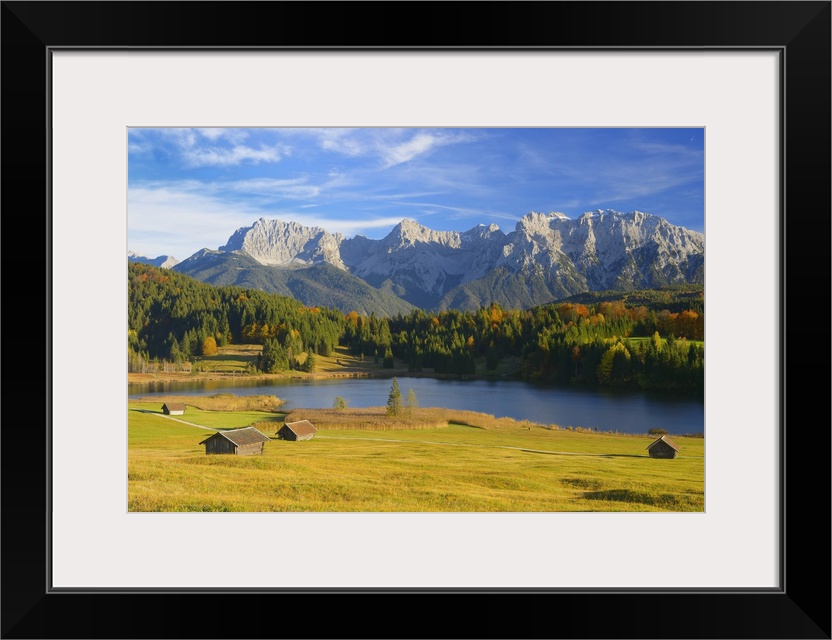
x=173 y=317
x=606 y=342
x=609 y=344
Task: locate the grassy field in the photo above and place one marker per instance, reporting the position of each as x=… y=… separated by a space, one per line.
x=483 y=465
x=231 y=358
x=232 y=361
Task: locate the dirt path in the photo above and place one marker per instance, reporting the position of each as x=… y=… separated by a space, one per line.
x=190 y=424
x=433 y=442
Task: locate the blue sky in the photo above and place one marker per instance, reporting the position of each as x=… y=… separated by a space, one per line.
x=192 y=188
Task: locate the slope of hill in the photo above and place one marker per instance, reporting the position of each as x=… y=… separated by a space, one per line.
x=318 y=285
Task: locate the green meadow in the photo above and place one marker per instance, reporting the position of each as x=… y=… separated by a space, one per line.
x=433 y=460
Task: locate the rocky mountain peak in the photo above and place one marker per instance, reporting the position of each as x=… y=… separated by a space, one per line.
x=482 y=232
x=534 y=223
x=409 y=232
x=548 y=255
x=279 y=243
x=163 y=262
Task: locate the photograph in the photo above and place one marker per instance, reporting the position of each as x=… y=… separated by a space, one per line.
x=415 y=313
x=378 y=319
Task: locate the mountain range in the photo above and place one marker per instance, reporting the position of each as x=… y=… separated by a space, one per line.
x=546 y=257
x=164 y=262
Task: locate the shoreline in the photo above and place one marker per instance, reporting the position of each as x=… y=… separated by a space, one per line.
x=139 y=379
x=149 y=378
x=179 y=376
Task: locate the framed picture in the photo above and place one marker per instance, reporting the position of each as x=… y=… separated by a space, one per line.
x=395 y=273
x=755 y=77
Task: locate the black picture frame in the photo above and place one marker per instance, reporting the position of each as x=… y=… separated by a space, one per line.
x=800 y=608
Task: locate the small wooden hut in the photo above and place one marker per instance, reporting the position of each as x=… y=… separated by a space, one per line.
x=664 y=447
x=241 y=442
x=173 y=408
x=300 y=430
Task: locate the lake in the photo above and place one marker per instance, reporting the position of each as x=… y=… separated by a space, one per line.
x=606 y=410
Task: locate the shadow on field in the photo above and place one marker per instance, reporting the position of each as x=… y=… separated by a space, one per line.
x=663 y=500
x=624 y=455
x=231 y=357
x=577 y=453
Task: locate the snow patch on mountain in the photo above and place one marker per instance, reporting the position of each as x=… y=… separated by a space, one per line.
x=163 y=262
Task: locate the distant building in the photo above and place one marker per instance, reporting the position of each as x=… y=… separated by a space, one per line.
x=241 y=442
x=174 y=408
x=664 y=447
x=300 y=430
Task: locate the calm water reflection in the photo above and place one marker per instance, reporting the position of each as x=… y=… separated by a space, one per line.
x=626 y=412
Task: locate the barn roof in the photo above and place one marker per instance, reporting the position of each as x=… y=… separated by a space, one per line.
x=666 y=440
x=174 y=406
x=240 y=437
x=302 y=427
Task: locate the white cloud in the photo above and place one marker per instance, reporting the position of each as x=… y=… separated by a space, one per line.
x=183 y=138
x=178 y=221
x=662 y=148
x=416 y=146
x=641 y=180
x=216 y=133
x=462 y=211
x=343 y=141
x=420 y=144
x=223 y=156
x=214 y=146
x=455 y=178
x=294 y=188
x=351 y=227
x=392 y=145
x=139 y=147
x=181 y=218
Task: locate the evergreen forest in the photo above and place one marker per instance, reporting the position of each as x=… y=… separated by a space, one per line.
x=638 y=339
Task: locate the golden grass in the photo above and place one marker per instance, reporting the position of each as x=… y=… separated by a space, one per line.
x=341 y=362
x=430 y=460
x=455 y=468
x=223 y=402
x=376 y=419
x=231 y=358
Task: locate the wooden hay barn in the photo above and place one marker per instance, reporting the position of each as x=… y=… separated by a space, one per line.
x=300 y=430
x=173 y=408
x=664 y=447
x=241 y=442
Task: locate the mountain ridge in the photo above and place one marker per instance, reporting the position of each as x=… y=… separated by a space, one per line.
x=163 y=262
x=546 y=256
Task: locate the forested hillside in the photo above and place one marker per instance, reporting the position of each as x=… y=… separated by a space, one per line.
x=318 y=285
x=608 y=344
x=174 y=317
x=646 y=339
